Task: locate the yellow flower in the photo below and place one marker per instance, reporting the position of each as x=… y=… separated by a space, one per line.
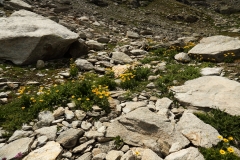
x=220 y=137
x=55 y=85
x=137 y=153
x=32 y=98
x=57 y=90
x=225 y=140
x=100 y=96
x=231 y=150
x=87 y=99
x=79 y=99
x=73 y=97
x=230 y=138
x=222 y=151
x=40 y=100
x=23 y=108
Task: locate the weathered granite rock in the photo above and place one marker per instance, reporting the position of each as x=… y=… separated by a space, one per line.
x=83 y=64
x=45 y=119
x=114 y=155
x=18 y=4
x=211 y=71
x=94 y=45
x=50 y=151
x=214 y=48
x=182 y=57
x=131 y=34
x=121 y=58
x=130 y=106
x=148 y=154
x=83 y=146
x=186 y=154
x=10 y=150
x=49 y=132
x=85 y=156
x=142 y=127
x=198 y=132
x=19 y=134
x=210 y=92
x=43 y=39
x=68 y=138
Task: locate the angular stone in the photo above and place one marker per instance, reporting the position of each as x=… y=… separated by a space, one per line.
x=80 y=114
x=69 y=138
x=198 y=132
x=131 y=34
x=114 y=155
x=49 y=132
x=148 y=154
x=128 y=156
x=215 y=47
x=94 y=45
x=83 y=64
x=43 y=39
x=130 y=106
x=85 y=156
x=58 y=112
x=83 y=146
x=18 y=4
x=190 y=153
x=211 y=71
x=182 y=57
x=22 y=146
x=50 y=151
x=210 y=92
x=100 y=156
x=142 y=127
x=138 y=52
x=45 y=119
x=19 y=134
x=93 y=134
x=121 y=58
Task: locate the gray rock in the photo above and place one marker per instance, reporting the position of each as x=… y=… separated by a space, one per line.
x=130 y=106
x=80 y=115
x=151 y=85
x=83 y=64
x=22 y=146
x=182 y=57
x=211 y=71
x=163 y=105
x=58 y=112
x=128 y=156
x=86 y=125
x=121 y=58
x=69 y=138
x=85 y=156
x=69 y=115
x=137 y=52
x=42 y=140
x=93 y=134
x=43 y=39
x=131 y=34
x=142 y=127
x=214 y=48
x=100 y=156
x=94 y=45
x=45 y=119
x=50 y=151
x=103 y=39
x=114 y=155
x=19 y=134
x=148 y=154
x=186 y=154
x=210 y=92
x=198 y=132
x=40 y=64
x=49 y=132
x=83 y=146
x=18 y=4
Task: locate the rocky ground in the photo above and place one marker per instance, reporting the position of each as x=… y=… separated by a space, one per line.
x=143 y=124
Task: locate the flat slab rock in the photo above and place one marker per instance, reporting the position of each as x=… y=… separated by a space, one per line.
x=10 y=150
x=215 y=47
x=210 y=92
x=143 y=127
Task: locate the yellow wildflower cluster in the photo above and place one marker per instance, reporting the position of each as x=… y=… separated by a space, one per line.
x=126 y=77
x=21 y=90
x=226 y=145
x=189 y=45
x=33 y=99
x=101 y=91
x=229 y=54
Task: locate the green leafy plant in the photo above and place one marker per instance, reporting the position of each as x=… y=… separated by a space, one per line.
x=118 y=141
x=229 y=57
x=73 y=68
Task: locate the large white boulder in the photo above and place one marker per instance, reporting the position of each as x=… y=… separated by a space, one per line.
x=210 y=92
x=215 y=48
x=26 y=37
